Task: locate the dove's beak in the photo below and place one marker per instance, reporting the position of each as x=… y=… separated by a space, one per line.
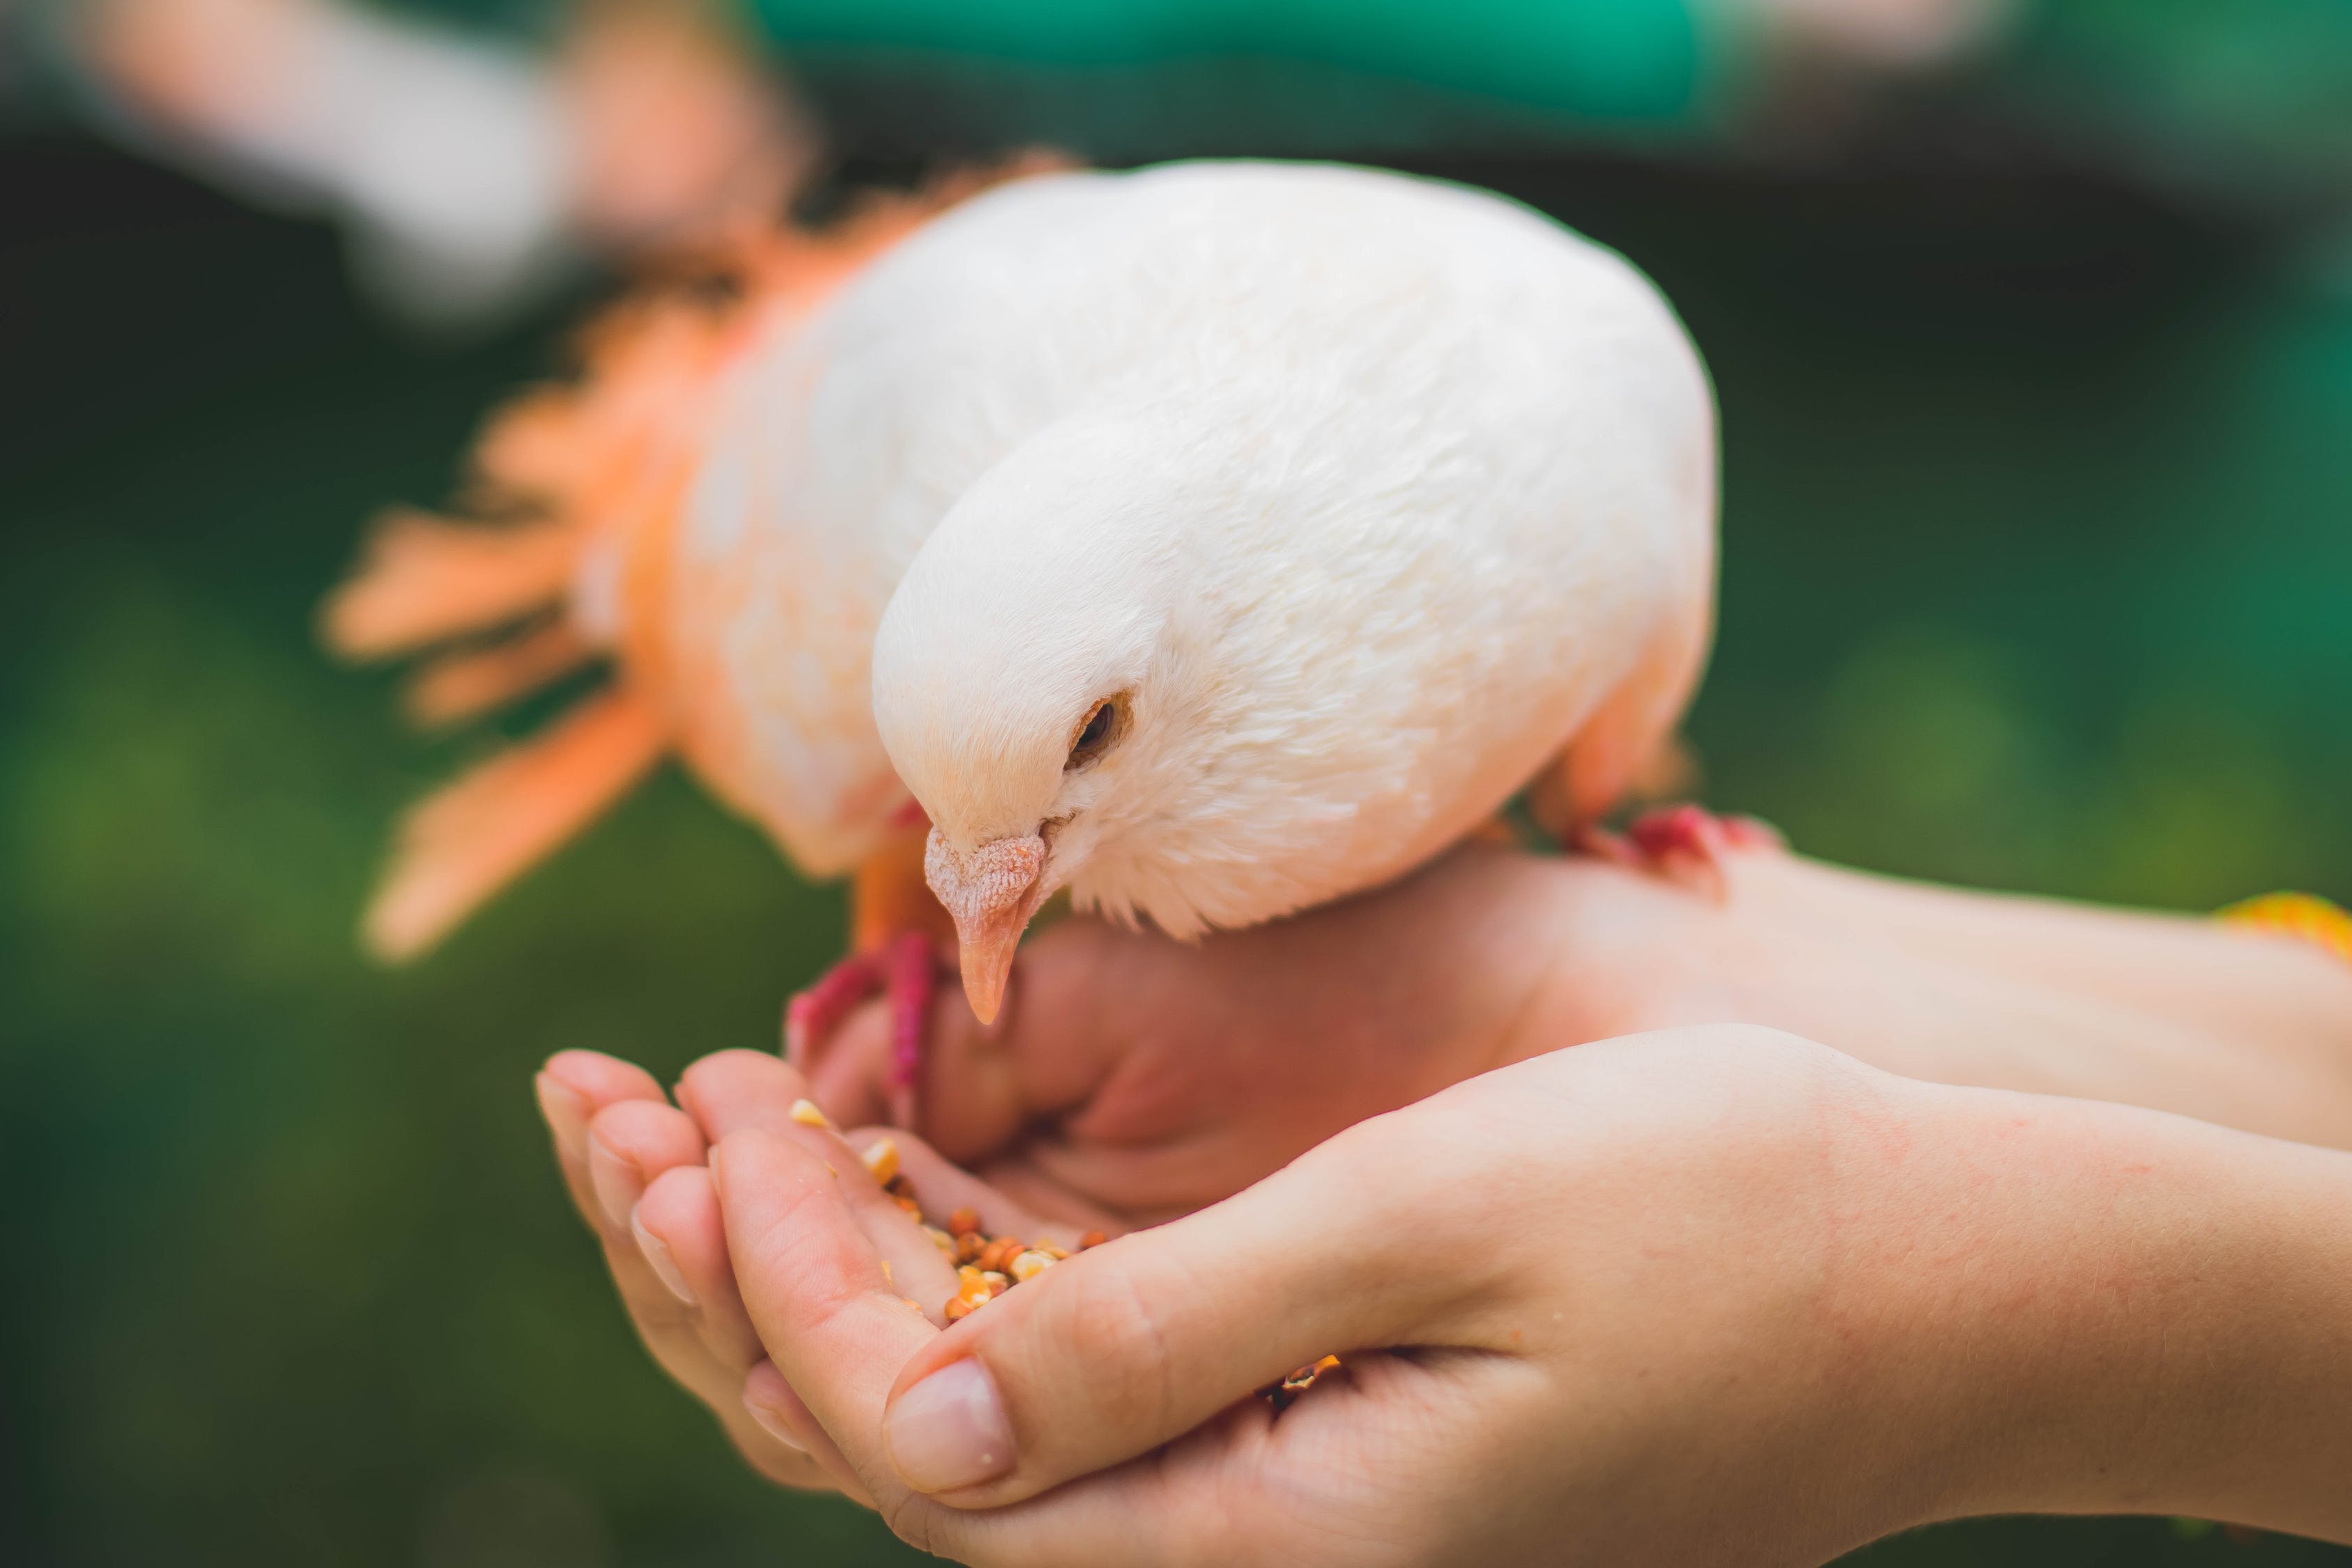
x=991 y=893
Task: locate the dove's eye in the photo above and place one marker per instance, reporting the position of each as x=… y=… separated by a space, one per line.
x=1094 y=736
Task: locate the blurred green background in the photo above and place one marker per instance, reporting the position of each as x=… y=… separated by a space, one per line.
x=2037 y=574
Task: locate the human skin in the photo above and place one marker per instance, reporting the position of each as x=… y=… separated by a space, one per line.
x=1136 y=1079
x=1167 y=1076
x=1710 y=1295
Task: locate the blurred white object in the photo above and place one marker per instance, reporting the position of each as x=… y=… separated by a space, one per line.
x=467 y=172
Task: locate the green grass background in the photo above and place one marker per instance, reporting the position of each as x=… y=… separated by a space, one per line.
x=2037 y=574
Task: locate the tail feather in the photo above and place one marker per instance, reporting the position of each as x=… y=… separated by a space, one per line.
x=466 y=685
x=592 y=469
x=426 y=579
x=536 y=445
x=463 y=842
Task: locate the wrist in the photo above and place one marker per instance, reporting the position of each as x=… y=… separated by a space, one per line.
x=2094 y=1310
x=1607 y=953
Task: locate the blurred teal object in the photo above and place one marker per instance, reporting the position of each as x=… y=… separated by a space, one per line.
x=1638 y=61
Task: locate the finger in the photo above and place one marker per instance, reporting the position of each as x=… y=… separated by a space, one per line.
x=737 y=1091
x=784 y=1463
x=783 y=1417
x=815 y=1288
x=704 y=1344
x=770 y=1449
x=630 y=1142
x=773 y=1446
x=616 y=1132
x=941 y=1189
x=576 y=1090
x=731 y=1091
x=639 y=1151
x=913 y=1261
x=679 y=1230
x=614 y=1129
x=835 y=1323
x=572 y=1087
x=633 y=1144
x=1021 y=1184
x=1127 y=1346
x=671 y=1332
x=671 y=1327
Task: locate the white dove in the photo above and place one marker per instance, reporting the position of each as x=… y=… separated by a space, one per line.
x=1211 y=540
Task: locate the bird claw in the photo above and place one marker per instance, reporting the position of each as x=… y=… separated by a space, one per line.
x=1684 y=844
x=906 y=971
x=913 y=975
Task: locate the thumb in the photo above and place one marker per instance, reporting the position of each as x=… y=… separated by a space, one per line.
x=1134 y=1344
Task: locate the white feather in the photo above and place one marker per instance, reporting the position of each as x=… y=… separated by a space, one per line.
x=1376 y=494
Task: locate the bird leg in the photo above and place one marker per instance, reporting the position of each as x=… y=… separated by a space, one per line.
x=895 y=925
x=913 y=975
x=813 y=1014
x=1684 y=844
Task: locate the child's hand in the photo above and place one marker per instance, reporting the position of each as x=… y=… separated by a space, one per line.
x=1715 y=1295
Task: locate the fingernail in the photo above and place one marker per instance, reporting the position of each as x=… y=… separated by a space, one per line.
x=771 y=1422
x=659 y=1259
x=566 y=1110
x=950 y=1430
x=618 y=1182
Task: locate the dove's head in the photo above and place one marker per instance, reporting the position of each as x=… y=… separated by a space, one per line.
x=1043 y=681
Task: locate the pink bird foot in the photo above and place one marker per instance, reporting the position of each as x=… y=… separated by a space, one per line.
x=1684 y=844
x=906 y=971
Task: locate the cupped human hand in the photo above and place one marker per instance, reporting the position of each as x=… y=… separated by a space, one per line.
x=1135 y=1078
x=1709 y=1295
x=1568 y=1292
x=634 y=1164
x=1132 y=1079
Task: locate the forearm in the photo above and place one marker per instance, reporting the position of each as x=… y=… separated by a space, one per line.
x=2284 y=1004
x=2121 y=1312
x=2244 y=1028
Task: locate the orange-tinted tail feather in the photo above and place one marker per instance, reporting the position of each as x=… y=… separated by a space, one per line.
x=597 y=467
x=466 y=685
x=425 y=579
x=465 y=841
